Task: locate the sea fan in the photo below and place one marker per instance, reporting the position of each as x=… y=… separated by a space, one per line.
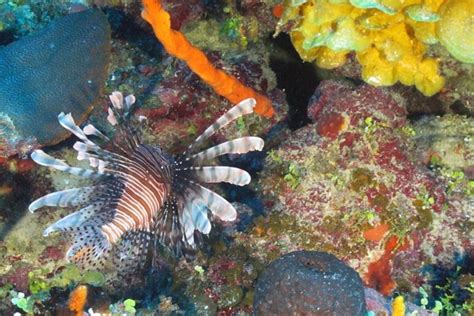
x=140 y=194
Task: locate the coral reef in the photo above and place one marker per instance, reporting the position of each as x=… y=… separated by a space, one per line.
x=60 y=68
x=19 y=18
x=357 y=174
x=388 y=192
x=312 y=283
x=389 y=38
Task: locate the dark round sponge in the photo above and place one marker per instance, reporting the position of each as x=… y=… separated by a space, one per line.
x=309 y=283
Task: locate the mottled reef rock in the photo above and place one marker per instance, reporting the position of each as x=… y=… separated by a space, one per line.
x=350 y=184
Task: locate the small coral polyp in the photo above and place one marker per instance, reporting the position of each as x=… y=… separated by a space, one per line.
x=388 y=37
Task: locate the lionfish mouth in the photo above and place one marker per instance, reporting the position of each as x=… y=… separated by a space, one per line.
x=141 y=195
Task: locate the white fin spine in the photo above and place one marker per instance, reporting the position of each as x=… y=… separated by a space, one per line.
x=41 y=158
x=90 y=129
x=216 y=174
x=65 y=198
x=241 y=145
x=68 y=123
x=73 y=220
x=218 y=206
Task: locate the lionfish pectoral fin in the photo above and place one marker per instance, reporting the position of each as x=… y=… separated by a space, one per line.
x=195 y=200
x=43 y=159
x=73 y=220
x=65 y=198
x=90 y=248
x=200 y=219
x=218 y=206
x=217 y=174
x=241 y=145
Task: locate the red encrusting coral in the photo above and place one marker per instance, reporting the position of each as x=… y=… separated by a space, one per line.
x=332 y=127
x=183 y=11
x=379 y=274
x=376 y=233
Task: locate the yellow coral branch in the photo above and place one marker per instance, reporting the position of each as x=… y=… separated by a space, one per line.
x=176 y=44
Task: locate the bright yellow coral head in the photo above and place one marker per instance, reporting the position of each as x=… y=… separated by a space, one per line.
x=388 y=37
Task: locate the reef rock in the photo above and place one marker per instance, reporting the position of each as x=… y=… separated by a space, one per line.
x=309 y=283
x=61 y=68
x=350 y=184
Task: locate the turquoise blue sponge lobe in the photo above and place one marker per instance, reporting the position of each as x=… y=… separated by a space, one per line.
x=61 y=68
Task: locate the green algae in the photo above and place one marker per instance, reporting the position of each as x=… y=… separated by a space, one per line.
x=38 y=280
x=425 y=215
x=94 y=278
x=380 y=201
x=5 y=290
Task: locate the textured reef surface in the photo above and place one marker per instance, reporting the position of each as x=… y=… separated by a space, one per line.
x=365 y=184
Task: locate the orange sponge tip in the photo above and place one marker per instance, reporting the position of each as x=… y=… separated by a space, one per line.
x=177 y=45
x=77 y=299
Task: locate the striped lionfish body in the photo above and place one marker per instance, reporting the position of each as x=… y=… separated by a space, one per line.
x=141 y=196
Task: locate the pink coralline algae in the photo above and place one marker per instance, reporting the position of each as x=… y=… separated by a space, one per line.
x=353 y=171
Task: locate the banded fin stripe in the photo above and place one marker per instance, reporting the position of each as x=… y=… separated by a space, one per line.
x=244 y=107
x=65 y=198
x=217 y=174
x=236 y=146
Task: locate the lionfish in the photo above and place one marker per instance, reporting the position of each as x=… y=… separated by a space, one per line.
x=141 y=196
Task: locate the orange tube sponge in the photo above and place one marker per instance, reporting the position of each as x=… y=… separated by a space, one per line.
x=176 y=44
